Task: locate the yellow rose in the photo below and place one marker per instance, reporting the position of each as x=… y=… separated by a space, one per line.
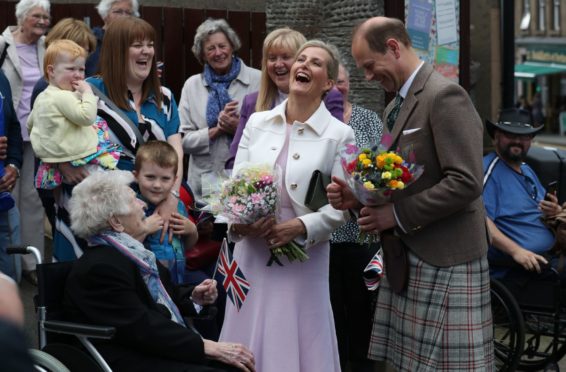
x=386 y=175
x=362 y=156
x=368 y=185
x=366 y=163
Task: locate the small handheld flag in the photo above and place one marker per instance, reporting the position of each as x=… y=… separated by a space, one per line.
x=231 y=276
x=374 y=272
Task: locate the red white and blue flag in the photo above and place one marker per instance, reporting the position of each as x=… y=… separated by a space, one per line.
x=231 y=277
x=373 y=272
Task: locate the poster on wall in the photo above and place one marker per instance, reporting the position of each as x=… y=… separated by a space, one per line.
x=433 y=26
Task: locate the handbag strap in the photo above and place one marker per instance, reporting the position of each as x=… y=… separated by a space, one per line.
x=121 y=114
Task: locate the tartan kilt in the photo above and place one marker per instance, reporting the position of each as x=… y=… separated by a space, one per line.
x=441 y=322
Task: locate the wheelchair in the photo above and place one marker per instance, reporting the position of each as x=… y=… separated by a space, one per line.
x=63 y=345
x=529 y=323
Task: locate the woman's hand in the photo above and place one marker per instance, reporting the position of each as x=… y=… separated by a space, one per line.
x=229 y=118
x=9 y=179
x=236 y=355
x=181 y=225
x=166 y=209
x=153 y=223
x=282 y=233
x=205 y=293
x=258 y=229
x=340 y=196
x=72 y=175
x=549 y=206
x=214 y=132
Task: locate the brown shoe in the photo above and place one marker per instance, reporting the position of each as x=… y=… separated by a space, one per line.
x=30 y=276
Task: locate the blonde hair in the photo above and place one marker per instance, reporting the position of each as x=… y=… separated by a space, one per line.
x=72 y=29
x=58 y=47
x=285 y=38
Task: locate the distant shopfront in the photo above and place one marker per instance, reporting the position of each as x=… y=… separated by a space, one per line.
x=541 y=74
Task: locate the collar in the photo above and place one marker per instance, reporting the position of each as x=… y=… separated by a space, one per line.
x=318 y=121
x=405 y=88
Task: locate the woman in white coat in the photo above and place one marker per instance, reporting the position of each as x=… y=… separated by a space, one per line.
x=286 y=318
x=24 y=47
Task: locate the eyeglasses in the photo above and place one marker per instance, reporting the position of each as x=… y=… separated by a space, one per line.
x=521 y=137
x=123 y=12
x=531 y=187
x=39 y=17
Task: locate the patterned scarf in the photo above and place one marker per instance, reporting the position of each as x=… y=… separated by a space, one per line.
x=145 y=261
x=218 y=95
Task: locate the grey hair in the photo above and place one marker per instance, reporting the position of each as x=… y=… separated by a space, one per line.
x=97 y=198
x=104 y=7
x=333 y=63
x=209 y=27
x=24 y=6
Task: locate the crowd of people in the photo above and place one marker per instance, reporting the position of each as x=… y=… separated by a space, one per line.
x=91 y=134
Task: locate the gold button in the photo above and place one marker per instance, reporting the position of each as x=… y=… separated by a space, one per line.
x=293 y=186
x=296 y=156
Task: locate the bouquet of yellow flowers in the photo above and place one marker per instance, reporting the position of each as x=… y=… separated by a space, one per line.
x=251 y=193
x=373 y=173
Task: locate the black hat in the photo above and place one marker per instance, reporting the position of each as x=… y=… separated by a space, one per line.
x=513 y=120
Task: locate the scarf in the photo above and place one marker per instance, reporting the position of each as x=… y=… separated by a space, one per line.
x=145 y=261
x=218 y=95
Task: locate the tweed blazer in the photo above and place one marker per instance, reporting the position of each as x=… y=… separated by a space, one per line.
x=442 y=213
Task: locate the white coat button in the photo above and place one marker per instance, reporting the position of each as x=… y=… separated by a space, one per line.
x=296 y=156
x=274 y=148
x=293 y=186
x=301 y=130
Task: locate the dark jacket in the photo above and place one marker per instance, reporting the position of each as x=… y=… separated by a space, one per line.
x=91 y=67
x=12 y=125
x=106 y=288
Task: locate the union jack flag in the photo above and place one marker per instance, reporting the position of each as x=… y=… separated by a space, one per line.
x=374 y=272
x=232 y=278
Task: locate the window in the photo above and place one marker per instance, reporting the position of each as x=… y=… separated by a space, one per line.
x=541 y=15
x=526 y=19
x=556 y=15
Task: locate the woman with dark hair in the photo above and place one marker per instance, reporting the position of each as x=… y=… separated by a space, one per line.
x=134 y=96
x=211 y=101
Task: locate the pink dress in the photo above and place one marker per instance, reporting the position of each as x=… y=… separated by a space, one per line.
x=286 y=319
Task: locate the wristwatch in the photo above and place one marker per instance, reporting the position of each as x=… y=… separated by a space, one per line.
x=15 y=168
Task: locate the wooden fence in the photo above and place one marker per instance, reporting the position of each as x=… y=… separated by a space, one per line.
x=175 y=28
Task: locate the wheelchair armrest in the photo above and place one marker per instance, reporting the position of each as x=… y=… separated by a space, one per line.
x=79 y=329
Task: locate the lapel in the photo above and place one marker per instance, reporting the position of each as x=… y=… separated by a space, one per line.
x=410 y=102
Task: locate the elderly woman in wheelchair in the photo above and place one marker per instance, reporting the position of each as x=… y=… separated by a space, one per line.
x=117 y=282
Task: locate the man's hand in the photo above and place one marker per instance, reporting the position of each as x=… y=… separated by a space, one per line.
x=340 y=196
x=529 y=260
x=549 y=206
x=377 y=219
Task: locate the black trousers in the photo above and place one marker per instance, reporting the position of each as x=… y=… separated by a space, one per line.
x=352 y=304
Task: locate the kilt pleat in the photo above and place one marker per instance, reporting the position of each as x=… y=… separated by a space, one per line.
x=441 y=322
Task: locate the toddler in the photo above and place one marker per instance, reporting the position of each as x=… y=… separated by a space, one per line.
x=63 y=124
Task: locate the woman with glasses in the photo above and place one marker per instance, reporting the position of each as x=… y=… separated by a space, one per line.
x=109 y=10
x=22 y=47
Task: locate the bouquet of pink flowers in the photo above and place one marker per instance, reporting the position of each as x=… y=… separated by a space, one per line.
x=373 y=173
x=250 y=194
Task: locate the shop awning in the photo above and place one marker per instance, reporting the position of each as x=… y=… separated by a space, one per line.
x=530 y=70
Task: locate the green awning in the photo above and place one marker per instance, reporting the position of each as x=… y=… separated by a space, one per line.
x=530 y=70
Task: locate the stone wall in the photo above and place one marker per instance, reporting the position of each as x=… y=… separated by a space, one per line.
x=332 y=21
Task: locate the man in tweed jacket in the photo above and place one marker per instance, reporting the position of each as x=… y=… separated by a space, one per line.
x=442 y=319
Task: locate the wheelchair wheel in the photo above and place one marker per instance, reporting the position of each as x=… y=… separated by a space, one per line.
x=74 y=357
x=544 y=344
x=508 y=328
x=45 y=362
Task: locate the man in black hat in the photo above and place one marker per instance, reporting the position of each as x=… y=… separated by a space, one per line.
x=514 y=197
